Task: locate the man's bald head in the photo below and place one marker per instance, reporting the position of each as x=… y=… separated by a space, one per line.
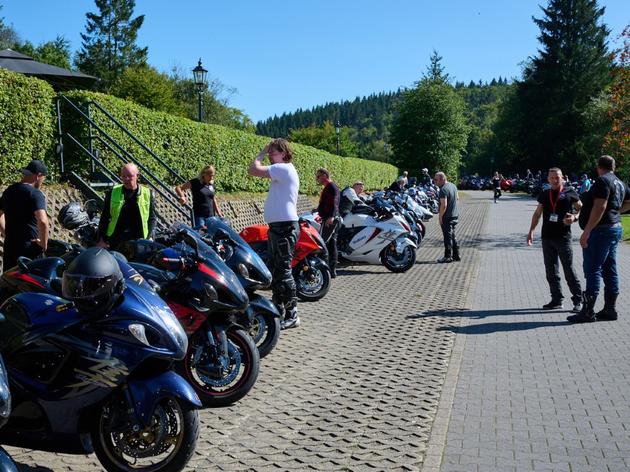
x=129 y=176
x=440 y=178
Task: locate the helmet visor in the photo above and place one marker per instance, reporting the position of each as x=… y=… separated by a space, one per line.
x=81 y=287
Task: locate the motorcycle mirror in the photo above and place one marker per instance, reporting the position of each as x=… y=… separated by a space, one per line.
x=22 y=263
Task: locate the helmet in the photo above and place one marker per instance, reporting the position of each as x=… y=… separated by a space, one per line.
x=71 y=216
x=93 y=281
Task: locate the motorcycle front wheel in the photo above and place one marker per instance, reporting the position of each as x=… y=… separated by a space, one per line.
x=265 y=332
x=165 y=445
x=311 y=283
x=221 y=380
x=396 y=262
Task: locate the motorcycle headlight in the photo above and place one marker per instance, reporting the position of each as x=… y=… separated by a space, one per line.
x=242 y=269
x=174 y=328
x=138 y=332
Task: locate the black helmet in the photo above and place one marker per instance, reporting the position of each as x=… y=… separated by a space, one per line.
x=71 y=216
x=93 y=281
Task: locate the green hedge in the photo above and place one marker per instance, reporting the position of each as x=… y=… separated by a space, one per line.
x=187 y=146
x=27 y=124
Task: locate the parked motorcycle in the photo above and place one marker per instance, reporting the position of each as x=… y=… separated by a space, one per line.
x=6 y=463
x=377 y=234
x=310 y=269
x=222 y=362
x=81 y=380
x=253 y=275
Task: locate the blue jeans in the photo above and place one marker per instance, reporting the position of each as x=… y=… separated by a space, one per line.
x=600 y=260
x=199 y=221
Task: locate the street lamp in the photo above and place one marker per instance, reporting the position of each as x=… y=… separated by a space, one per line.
x=199 y=74
x=337 y=131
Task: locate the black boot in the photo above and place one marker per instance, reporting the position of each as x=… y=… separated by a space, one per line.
x=609 y=312
x=587 y=314
x=456 y=257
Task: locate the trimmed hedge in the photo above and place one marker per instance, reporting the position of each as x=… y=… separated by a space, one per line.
x=27 y=124
x=187 y=146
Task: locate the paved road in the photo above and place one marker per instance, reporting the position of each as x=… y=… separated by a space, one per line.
x=525 y=390
x=356 y=387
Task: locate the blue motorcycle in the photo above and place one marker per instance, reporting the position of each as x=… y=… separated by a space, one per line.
x=81 y=383
x=6 y=463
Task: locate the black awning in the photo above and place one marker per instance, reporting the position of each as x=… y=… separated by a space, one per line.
x=58 y=77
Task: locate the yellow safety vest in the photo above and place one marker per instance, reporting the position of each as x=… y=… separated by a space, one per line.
x=116 y=204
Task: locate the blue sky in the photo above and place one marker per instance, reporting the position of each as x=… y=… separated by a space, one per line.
x=283 y=55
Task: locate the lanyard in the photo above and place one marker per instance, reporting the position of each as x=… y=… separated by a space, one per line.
x=553 y=204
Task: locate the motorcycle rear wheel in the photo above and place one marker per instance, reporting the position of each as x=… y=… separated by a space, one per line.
x=398 y=262
x=170 y=438
x=234 y=382
x=313 y=284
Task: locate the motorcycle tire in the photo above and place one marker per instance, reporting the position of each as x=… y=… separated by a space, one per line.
x=390 y=258
x=169 y=413
x=216 y=391
x=311 y=285
x=265 y=332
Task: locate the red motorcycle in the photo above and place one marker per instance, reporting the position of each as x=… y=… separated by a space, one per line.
x=310 y=266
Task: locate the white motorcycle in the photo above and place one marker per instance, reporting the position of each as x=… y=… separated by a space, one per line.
x=376 y=235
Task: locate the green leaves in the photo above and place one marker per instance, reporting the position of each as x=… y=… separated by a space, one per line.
x=188 y=146
x=27 y=124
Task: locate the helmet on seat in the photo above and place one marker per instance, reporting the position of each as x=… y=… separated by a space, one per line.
x=93 y=281
x=71 y=216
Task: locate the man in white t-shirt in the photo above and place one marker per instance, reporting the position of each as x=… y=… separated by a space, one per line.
x=281 y=215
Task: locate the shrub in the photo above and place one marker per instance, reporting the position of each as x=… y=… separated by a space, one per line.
x=187 y=146
x=27 y=124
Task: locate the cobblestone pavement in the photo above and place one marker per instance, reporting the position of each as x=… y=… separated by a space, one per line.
x=356 y=387
x=531 y=392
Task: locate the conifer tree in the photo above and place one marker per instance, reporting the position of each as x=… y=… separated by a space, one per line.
x=572 y=68
x=109 y=42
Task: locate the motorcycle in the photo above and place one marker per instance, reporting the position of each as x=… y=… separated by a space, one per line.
x=6 y=463
x=83 y=384
x=310 y=269
x=222 y=362
x=377 y=235
x=253 y=275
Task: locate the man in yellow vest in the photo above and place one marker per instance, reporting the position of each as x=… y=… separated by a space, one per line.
x=128 y=211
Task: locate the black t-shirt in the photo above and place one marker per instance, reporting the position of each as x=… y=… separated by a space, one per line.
x=329 y=201
x=563 y=205
x=203 y=198
x=610 y=188
x=19 y=202
x=496 y=183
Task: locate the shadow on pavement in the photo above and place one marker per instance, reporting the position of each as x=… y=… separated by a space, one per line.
x=478 y=314
x=488 y=328
x=348 y=271
x=28 y=468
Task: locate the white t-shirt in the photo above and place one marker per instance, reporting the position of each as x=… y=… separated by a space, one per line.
x=281 y=203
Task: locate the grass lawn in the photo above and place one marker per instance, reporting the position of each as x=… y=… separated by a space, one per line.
x=625 y=222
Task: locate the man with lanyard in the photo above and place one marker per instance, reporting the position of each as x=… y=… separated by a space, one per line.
x=328 y=210
x=556 y=206
x=281 y=215
x=23 y=219
x=128 y=211
x=600 y=220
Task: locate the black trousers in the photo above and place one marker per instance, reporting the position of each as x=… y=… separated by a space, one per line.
x=451 y=248
x=560 y=248
x=13 y=251
x=329 y=234
x=281 y=244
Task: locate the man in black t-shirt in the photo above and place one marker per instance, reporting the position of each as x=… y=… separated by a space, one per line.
x=23 y=219
x=328 y=210
x=556 y=207
x=601 y=222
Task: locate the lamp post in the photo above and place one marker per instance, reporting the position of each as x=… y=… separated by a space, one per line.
x=337 y=131
x=199 y=75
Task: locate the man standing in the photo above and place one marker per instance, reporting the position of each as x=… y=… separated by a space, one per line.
x=128 y=211
x=328 y=210
x=281 y=215
x=449 y=215
x=556 y=206
x=23 y=219
x=600 y=220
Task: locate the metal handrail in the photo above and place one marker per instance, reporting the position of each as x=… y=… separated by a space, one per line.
x=146 y=172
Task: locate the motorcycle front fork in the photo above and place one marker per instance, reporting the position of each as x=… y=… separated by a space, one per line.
x=216 y=347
